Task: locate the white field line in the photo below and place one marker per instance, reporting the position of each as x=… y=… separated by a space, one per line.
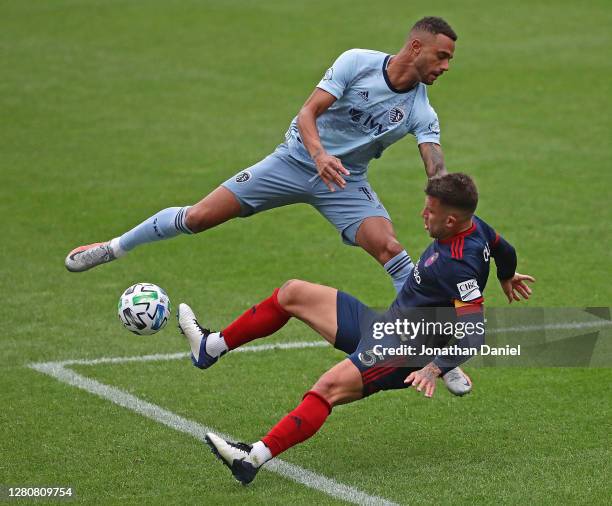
x=180 y=355
x=552 y=326
x=117 y=396
x=321 y=344
x=298 y=474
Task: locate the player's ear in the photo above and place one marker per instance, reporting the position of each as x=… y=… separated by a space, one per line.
x=416 y=45
x=451 y=221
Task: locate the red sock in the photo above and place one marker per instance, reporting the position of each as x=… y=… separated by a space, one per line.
x=303 y=422
x=260 y=321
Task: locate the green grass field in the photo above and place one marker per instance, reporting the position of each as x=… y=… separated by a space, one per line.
x=112 y=110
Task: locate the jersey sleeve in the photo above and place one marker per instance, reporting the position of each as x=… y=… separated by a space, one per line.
x=469 y=334
x=426 y=125
x=462 y=285
x=501 y=250
x=338 y=77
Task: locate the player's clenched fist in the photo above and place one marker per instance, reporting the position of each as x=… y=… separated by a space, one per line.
x=330 y=169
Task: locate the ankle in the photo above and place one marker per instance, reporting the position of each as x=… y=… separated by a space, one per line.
x=115 y=246
x=259 y=454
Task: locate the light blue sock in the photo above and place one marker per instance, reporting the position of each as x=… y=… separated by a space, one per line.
x=399 y=268
x=165 y=224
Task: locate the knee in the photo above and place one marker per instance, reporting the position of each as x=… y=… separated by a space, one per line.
x=328 y=388
x=388 y=249
x=195 y=218
x=290 y=294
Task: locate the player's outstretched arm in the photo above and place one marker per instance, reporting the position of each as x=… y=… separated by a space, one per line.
x=329 y=167
x=432 y=156
x=512 y=283
x=469 y=334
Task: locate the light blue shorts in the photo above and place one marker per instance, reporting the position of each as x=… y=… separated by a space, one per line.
x=279 y=180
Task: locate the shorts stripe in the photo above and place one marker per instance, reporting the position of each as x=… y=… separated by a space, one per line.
x=378 y=372
x=382 y=371
x=390 y=363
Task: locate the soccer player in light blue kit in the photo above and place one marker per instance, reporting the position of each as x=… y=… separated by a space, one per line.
x=366 y=101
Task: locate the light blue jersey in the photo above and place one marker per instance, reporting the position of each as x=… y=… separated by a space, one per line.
x=369 y=114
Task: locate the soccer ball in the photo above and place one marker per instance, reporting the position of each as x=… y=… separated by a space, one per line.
x=144 y=308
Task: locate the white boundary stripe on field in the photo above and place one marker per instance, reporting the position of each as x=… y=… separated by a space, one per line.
x=180 y=355
x=319 y=344
x=552 y=326
x=59 y=371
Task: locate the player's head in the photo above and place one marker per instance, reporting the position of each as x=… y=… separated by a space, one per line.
x=432 y=44
x=450 y=203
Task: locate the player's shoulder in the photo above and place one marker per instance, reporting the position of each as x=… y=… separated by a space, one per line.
x=422 y=109
x=464 y=253
x=421 y=90
x=458 y=261
x=367 y=53
x=363 y=57
x=486 y=231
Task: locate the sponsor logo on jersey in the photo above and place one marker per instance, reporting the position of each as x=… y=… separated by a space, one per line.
x=329 y=73
x=416 y=273
x=469 y=290
x=431 y=259
x=243 y=177
x=356 y=114
x=364 y=94
x=486 y=252
x=434 y=126
x=396 y=115
x=367 y=120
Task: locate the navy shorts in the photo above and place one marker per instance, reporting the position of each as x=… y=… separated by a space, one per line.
x=353 y=317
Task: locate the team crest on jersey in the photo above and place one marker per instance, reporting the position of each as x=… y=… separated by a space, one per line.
x=243 y=177
x=329 y=73
x=469 y=290
x=434 y=126
x=396 y=115
x=431 y=259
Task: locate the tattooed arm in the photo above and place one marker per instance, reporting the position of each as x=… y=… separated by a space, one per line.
x=424 y=379
x=433 y=159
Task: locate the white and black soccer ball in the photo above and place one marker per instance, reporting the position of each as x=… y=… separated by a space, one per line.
x=144 y=308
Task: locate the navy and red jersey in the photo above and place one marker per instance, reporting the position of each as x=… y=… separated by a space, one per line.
x=454 y=271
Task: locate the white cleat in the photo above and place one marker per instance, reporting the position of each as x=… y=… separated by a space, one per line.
x=196 y=335
x=85 y=257
x=235 y=456
x=457 y=382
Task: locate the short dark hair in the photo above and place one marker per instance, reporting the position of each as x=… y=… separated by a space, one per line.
x=456 y=190
x=435 y=25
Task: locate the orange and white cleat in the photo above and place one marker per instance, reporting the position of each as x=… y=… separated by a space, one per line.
x=85 y=257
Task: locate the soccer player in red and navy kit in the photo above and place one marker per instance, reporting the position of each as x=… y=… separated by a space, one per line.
x=451 y=273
